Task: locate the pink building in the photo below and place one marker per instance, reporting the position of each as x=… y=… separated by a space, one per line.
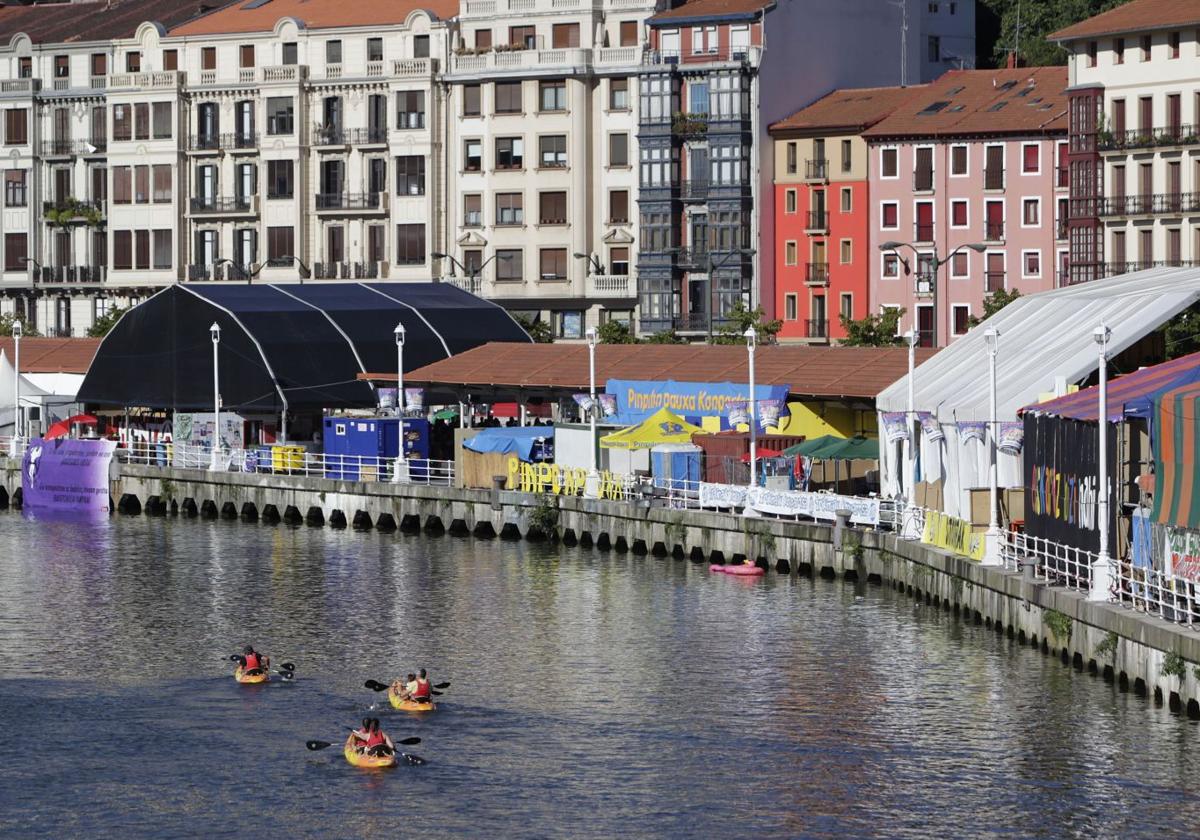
x=970 y=177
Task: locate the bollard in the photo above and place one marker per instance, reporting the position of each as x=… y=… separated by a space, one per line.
x=840 y=523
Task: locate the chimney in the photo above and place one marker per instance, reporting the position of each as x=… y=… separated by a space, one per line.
x=1012 y=61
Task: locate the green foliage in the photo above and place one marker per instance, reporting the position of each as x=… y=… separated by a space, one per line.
x=1173 y=665
x=543 y=517
x=741 y=319
x=1107 y=649
x=538 y=329
x=872 y=330
x=1181 y=335
x=6 y=326
x=614 y=332
x=993 y=303
x=1038 y=18
x=107 y=321
x=1059 y=624
x=664 y=337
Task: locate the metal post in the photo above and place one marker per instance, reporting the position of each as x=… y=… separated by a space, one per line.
x=401 y=471
x=1102 y=569
x=593 y=478
x=215 y=463
x=910 y=442
x=751 y=342
x=16 y=334
x=994 y=538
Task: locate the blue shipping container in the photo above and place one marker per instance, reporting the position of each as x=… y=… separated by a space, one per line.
x=356 y=447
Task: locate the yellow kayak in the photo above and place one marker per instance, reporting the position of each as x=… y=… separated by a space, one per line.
x=251 y=679
x=409 y=705
x=361 y=759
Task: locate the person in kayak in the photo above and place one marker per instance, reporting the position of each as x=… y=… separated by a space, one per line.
x=254 y=662
x=404 y=688
x=361 y=736
x=421 y=691
x=378 y=743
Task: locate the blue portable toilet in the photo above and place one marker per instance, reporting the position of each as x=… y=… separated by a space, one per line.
x=675 y=463
x=356 y=447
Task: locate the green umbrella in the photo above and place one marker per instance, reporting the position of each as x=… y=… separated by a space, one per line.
x=853 y=449
x=445 y=414
x=814 y=445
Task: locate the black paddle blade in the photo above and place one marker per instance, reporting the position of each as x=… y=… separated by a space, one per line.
x=409 y=742
x=437 y=693
x=287 y=675
x=375 y=686
x=287 y=666
x=317 y=745
x=442 y=685
x=412 y=759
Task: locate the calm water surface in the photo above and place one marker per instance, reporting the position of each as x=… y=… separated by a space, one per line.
x=594 y=695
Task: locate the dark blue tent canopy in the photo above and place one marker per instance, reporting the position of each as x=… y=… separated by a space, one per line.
x=283 y=346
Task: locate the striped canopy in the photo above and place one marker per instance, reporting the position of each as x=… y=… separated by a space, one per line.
x=1174 y=445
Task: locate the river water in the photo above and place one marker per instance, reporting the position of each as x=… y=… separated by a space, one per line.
x=593 y=695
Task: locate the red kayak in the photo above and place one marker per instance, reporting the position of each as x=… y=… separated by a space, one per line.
x=743 y=570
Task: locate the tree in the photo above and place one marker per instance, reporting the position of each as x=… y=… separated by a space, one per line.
x=1181 y=335
x=6 y=326
x=538 y=329
x=872 y=330
x=107 y=321
x=741 y=319
x=993 y=303
x=614 y=332
x=998 y=36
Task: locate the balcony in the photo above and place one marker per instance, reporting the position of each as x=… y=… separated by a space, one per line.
x=474 y=285
x=232 y=142
x=724 y=54
x=993 y=281
x=817 y=222
x=375 y=202
x=695 y=190
x=505 y=59
x=329 y=135
x=80 y=211
x=284 y=73
x=59 y=148
x=1148 y=138
x=692 y=259
x=923 y=180
x=1148 y=204
x=346 y=270
x=816 y=274
x=816 y=328
x=19 y=87
x=413 y=67
x=923 y=232
x=816 y=170
x=1114 y=269
x=338 y=136
x=993 y=231
x=240 y=205
x=993 y=177
x=72 y=275
x=689 y=125
x=163 y=80
x=611 y=286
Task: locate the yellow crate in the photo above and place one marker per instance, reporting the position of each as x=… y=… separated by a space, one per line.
x=287 y=458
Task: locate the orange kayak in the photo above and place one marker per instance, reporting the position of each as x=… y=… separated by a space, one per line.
x=251 y=679
x=409 y=705
x=360 y=759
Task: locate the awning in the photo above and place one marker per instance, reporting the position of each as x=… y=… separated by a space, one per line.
x=512 y=409
x=1131 y=395
x=664 y=426
x=812 y=446
x=1174 y=445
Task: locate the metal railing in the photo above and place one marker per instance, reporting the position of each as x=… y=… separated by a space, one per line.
x=223 y=204
x=1149 y=203
x=219 y=142
x=350 y=201
x=817 y=220
x=1148 y=138
x=923 y=180
x=816 y=170
x=695 y=189
x=72 y=274
x=345 y=271
x=993 y=178
x=816 y=273
x=993 y=231
x=816 y=328
x=993 y=281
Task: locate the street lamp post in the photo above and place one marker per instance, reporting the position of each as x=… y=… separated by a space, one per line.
x=593 y=479
x=935 y=269
x=16 y=334
x=215 y=333
x=279 y=262
x=472 y=274
x=751 y=342
x=243 y=271
x=401 y=463
x=994 y=536
x=713 y=265
x=1102 y=569
x=594 y=265
x=910 y=418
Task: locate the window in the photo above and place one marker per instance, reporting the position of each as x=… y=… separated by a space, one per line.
x=789 y=201
x=1031 y=212
x=618 y=150
x=1031 y=161
x=25 y=67
x=847 y=252
x=14 y=188
x=1118 y=51
x=553 y=264
x=961 y=316
x=374 y=49
x=618 y=261
x=16 y=126
x=16 y=249
x=1147 y=44
x=141 y=121
x=510 y=153
x=618 y=206
x=333 y=52
x=552 y=95
x=727 y=165
x=510 y=208
x=473 y=210
x=508 y=97
x=161 y=120
x=698 y=97
x=552 y=208
x=1173 y=44
x=889 y=215
x=509 y=264
x=553 y=150
x=289 y=54
x=122 y=184
x=568 y=324
x=891 y=266
x=170 y=60
x=472 y=100
x=141 y=249
x=790 y=253
x=564 y=36
x=618 y=94
x=958 y=161
x=959 y=213
x=420 y=46
x=472 y=155
x=208 y=58
x=1031 y=263
x=122 y=250
x=410 y=244
x=410 y=175
x=162 y=248
x=846 y=306
x=888 y=163
x=280 y=244
x=162 y=184
x=62 y=66
x=1091 y=53
x=246 y=56
x=483 y=39
x=410 y=109
x=960 y=265
x=141 y=184
x=279 y=179
x=727 y=97
x=133 y=62
x=628 y=33
x=704 y=39
x=280 y=115
x=935 y=48
x=791 y=158
x=847 y=200
x=522 y=36
x=789 y=307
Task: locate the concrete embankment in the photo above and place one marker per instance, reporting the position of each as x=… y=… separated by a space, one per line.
x=1139 y=653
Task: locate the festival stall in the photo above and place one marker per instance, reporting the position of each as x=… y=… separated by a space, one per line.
x=487 y=453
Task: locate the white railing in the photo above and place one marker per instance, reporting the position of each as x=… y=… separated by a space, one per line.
x=333 y=71
x=522 y=59
x=619 y=56
x=161 y=79
x=208 y=77
x=618 y=285
x=284 y=73
x=374 y=68
x=412 y=66
x=246 y=75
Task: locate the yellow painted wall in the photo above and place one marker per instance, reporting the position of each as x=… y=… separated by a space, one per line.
x=815 y=420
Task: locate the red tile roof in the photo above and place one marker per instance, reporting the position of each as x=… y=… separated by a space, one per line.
x=713 y=8
x=53 y=355
x=852 y=109
x=1025 y=100
x=316 y=14
x=1138 y=16
x=830 y=372
x=99 y=21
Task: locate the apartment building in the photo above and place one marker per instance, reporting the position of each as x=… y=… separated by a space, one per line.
x=823 y=211
x=541 y=153
x=968 y=196
x=1134 y=76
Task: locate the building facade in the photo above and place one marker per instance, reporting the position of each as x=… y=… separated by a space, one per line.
x=968 y=197
x=1134 y=163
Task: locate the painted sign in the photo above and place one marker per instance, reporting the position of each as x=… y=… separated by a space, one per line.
x=560 y=481
x=638 y=399
x=1183 y=554
x=66 y=475
x=823 y=506
x=1061 y=461
x=953 y=534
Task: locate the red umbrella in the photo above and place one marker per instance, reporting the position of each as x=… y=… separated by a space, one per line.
x=763 y=452
x=63 y=427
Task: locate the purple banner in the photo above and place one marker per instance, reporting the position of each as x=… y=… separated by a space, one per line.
x=67 y=475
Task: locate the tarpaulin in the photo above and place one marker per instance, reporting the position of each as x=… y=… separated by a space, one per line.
x=519 y=440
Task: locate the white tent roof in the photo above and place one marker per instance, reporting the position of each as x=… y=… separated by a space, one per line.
x=1044 y=336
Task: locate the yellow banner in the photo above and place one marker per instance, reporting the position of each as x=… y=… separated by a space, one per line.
x=561 y=481
x=952 y=534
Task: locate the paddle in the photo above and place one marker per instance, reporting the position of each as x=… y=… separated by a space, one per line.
x=320 y=745
x=375 y=685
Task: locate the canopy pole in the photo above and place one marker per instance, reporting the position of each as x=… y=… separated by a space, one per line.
x=283 y=426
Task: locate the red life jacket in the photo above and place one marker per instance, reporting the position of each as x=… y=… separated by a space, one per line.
x=253 y=662
x=375 y=738
x=422 y=692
